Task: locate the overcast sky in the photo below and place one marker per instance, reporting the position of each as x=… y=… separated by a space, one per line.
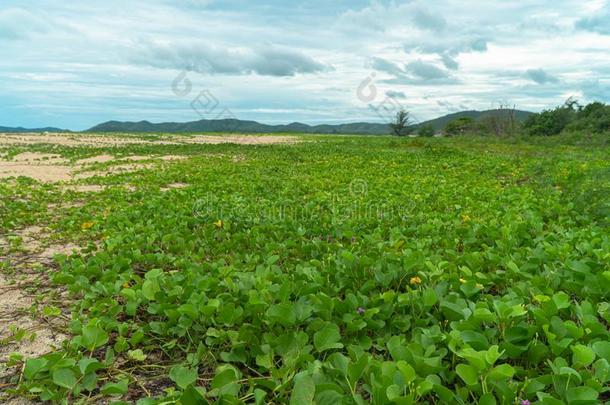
x=74 y=64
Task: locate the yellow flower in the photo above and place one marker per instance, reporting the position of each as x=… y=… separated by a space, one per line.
x=465 y=217
x=86 y=225
x=462 y=281
x=415 y=280
x=218 y=223
x=126 y=285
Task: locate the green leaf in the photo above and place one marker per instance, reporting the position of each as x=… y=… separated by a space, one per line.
x=502 y=372
x=87 y=365
x=183 y=376
x=304 y=390
x=225 y=382
x=33 y=367
x=467 y=373
x=193 y=396
x=582 y=396
x=150 y=288
x=429 y=297
x=582 y=356
x=283 y=313
x=327 y=338
x=569 y=371
x=602 y=349
x=561 y=300
x=137 y=355
x=259 y=396
x=93 y=337
x=118 y=388
x=492 y=355
x=408 y=373
x=64 y=377
x=487 y=399
x=424 y=387
x=393 y=392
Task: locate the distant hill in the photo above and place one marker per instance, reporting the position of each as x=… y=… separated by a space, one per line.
x=20 y=130
x=441 y=122
x=235 y=125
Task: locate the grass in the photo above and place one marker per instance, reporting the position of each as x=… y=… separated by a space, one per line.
x=336 y=270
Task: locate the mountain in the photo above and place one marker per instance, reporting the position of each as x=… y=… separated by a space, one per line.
x=240 y=126
x=441 y=122
x=234 y=125
x=19 y=130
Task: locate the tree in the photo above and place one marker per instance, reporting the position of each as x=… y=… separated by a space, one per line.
x=592 y=118
x=459 y=126
x=552 y=122
x=400 y=126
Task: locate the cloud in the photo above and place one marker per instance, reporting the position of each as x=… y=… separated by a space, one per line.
x=415 y=73
x=426 y=20
x=122 y=57
x=594 y=90
x=17 y=23
x=449 y=62
x=540 y=76
x=426 y=71
x=202 y=57
x=450 y=47
x=386 y=66
x=599 y=23
x=396 y=94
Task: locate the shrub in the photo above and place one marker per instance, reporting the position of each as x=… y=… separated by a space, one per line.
x=501 y=122
x=594 y=117
x=459 y=126
x=426 y=130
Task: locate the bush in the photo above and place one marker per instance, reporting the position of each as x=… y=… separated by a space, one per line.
x=426 y=130
x=570 y=117
x=551 y=122
x=594 y=117
x=459 y=126
x=501 y=122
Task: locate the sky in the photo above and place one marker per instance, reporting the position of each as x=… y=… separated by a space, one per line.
x=75 y=64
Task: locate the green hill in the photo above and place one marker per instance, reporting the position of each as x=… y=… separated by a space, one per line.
x=440 y=123
x=241 y=126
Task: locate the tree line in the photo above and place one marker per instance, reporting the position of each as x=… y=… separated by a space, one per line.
x=570 y=117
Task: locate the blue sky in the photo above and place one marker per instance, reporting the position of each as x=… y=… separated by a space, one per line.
x=75 y=64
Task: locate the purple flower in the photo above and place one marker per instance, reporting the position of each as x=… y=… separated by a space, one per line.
x=525 y=402
x=360 y=310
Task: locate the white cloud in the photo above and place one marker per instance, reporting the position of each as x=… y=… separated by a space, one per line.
x=203 y=57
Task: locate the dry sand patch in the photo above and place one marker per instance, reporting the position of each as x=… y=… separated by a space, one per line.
x=15 y=300
x=174 y=186
x=49 y=168
x=167 y=158
x=72 y=140
x=45 y=174
x=85 y=188
x=95 y=159
x=39 y=158
x=15 y=303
